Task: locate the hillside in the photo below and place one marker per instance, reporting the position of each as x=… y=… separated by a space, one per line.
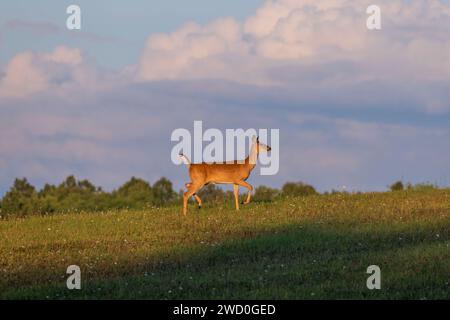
x=295 y=248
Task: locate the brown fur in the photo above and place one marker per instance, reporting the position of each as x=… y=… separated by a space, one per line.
x=235 y=172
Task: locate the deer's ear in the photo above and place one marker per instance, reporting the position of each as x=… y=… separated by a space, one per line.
x=254 y=139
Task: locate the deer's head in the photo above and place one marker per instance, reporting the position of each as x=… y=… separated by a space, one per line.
x=260 y=147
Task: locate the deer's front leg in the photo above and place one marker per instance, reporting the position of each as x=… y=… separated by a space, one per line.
x=250 y=190
x=199 y=201
x=236 y=195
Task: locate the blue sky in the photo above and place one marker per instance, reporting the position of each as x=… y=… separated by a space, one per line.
x=122 y=27
x=355 y=108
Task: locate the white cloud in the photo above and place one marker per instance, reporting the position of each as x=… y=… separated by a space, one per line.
x=413 y=44
x=23 y=77
x=275 y=46
x=198 y=52
x=53 y=72
x=64 y=55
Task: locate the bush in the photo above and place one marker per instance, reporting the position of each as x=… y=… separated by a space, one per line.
x=212 y=193
x=265 y=194
x=296 y=189
x=397 y=186
x=422 y=187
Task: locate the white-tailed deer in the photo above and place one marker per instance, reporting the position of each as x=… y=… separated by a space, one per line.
x=235 y=173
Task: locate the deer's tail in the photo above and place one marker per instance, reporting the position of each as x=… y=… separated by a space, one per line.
x=185 y=160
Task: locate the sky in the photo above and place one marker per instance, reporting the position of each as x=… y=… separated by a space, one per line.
x=113 y=32
x=356 y=108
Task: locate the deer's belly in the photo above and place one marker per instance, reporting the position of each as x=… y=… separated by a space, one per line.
x=221 y=182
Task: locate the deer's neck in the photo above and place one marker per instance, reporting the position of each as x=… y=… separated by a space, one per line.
x=251 y=158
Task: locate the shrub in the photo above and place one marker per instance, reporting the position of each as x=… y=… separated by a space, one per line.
x=265 y=194
x=295 y=189
x=397 y=186
x=422 y=187
x=212 y=193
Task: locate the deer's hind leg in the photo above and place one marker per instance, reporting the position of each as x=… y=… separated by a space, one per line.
x=192 y=189
x=196 y=197
x=236 y=195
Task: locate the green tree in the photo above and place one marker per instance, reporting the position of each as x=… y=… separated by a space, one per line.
x=69 y=183
x=163 y=192
x=19 y=199
x=48 y=199
x=86 y=185
x=135 y=193
x=71 y=195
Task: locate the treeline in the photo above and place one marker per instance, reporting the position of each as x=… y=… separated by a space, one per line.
x=81 y=195
x=400 y=186
x=74 y=195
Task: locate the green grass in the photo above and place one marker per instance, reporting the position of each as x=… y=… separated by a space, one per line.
x=316 y=247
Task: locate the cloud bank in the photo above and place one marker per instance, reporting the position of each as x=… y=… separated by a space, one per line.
x=308 y=33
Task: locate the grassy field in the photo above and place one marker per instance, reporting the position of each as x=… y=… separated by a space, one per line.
x=316 y=247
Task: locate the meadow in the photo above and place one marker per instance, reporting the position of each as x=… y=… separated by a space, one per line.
x=315 y=247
